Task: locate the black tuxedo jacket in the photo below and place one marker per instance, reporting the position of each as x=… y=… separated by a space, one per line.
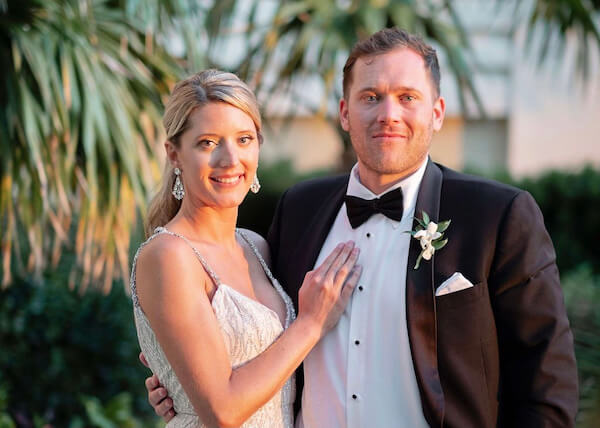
x=497 y=354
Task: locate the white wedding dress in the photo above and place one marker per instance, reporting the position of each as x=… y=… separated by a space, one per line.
x=248 y=328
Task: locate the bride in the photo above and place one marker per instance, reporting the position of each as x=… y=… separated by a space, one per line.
x=214 y=325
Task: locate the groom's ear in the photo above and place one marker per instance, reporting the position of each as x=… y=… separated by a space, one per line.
x=439 y=110
x=344 y=114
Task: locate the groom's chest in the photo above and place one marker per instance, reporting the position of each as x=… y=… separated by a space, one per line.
x=383 y=243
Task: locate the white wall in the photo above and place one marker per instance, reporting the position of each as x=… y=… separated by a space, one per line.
x=555 y=116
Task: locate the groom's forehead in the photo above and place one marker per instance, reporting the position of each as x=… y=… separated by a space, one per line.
x=399 y=67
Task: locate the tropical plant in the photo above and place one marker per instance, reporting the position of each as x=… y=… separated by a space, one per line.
x=561 y=19
x=80 y=109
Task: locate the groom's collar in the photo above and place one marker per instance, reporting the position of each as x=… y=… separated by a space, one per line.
x=410 y=187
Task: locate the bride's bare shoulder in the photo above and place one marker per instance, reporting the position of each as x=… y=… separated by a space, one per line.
x=167 y=256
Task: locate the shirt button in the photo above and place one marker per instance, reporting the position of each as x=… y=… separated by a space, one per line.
x=360 y=288
x=357 y=342
x=354 y=396
x=368 y=234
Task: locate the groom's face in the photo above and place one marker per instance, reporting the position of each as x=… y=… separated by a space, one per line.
x=391 y=111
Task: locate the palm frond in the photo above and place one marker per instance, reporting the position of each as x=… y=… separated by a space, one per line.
x=559 y=20
x=81 y=106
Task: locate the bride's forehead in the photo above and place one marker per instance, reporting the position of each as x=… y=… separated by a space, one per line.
x=219 y=116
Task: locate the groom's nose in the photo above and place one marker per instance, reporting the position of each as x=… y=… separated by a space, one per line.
x=389 y=110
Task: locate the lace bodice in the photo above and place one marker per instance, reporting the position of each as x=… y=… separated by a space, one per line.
x=248 y=328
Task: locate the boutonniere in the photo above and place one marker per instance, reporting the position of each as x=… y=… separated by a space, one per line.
x=430 y=235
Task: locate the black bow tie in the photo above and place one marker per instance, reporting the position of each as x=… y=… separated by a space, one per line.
x=359 y=210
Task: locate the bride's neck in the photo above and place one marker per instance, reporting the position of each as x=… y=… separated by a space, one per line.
x=207 y=224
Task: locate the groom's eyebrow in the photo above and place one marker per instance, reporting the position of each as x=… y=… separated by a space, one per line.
x=394 y=89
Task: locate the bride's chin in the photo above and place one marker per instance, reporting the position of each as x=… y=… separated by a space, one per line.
x=228 y=203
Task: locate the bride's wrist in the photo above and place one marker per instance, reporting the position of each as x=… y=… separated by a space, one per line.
x=309 y=327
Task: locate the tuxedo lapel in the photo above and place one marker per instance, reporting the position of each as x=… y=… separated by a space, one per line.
x=420 y=304
x=319 y=223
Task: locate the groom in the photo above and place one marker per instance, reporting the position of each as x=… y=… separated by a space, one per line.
x=477 y=334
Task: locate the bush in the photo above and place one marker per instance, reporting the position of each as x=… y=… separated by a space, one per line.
x=582 y=297
x=59 y=348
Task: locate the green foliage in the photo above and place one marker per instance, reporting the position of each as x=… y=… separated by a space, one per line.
x=117 y=413
x=80 y=114
x=60 y=348
x=582 y=297
x=6 y=420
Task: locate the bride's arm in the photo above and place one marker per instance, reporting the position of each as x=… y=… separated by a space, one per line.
x=170 y=286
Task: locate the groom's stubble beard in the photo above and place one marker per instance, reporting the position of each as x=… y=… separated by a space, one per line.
x=406 y=157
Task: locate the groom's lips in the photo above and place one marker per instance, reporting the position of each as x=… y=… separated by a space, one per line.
x=388 y=135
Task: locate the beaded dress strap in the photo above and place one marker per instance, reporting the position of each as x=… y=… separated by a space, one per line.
x=257 y=254
x=158 y=231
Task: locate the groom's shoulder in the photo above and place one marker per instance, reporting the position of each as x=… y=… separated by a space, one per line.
x=474 y=187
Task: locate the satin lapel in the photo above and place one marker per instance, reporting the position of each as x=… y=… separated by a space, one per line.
x=307 y=251
x=420 y=305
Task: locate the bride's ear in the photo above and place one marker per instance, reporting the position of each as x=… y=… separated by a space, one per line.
x=172 y=153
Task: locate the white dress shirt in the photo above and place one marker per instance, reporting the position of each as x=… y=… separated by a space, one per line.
x=361 y=374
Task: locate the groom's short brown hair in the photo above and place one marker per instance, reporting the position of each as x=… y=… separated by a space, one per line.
x=386 y=40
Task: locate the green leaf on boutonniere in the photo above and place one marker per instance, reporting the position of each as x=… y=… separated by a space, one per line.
x=443 y=225
x=439 y=244
x=418 y=261
x=425 y=218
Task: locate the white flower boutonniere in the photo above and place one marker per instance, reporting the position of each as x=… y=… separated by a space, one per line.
x=430 y=235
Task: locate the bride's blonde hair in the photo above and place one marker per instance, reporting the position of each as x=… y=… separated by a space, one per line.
x=195 y=91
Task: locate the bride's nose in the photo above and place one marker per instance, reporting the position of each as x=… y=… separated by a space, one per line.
x=227 y=155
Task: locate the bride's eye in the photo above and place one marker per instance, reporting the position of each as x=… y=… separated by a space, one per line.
x=206 y=143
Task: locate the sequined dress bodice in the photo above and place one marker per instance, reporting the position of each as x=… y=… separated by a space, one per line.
x=248 y=328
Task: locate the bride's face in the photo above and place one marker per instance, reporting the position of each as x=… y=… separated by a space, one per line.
x=217 y=155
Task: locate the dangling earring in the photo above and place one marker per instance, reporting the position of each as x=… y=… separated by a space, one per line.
x=255 y=186
x=178 y=191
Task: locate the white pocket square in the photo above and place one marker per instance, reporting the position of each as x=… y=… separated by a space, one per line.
x=453 y=284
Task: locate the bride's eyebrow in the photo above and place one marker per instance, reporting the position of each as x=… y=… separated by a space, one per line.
x=206 y=134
